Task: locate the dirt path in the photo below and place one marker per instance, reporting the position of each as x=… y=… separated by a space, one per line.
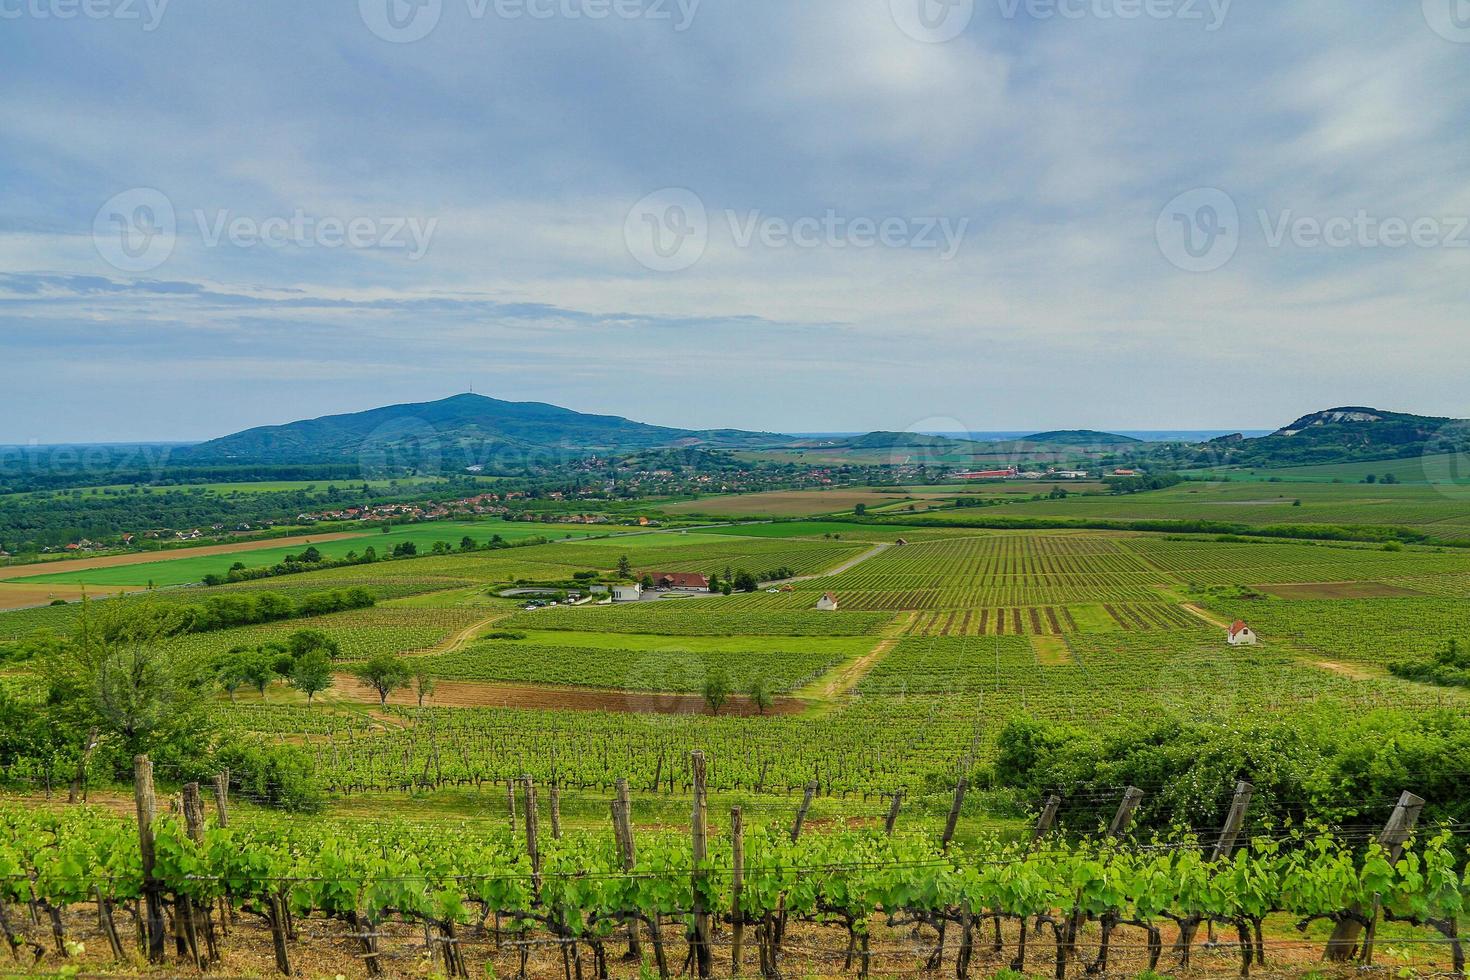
x=483 y=694
x=1352 y=673
x=1199 y=613
x=461 y=638
x=844 y=678
x=148 y=557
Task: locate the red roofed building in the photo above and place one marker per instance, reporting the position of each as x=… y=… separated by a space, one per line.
x=1004 y=474
x=1241 y=635
x=681 y=581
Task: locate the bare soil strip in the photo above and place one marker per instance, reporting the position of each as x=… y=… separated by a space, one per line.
x=22 y=596
x=147 y=557
x=1354 y=673
x=477 y=694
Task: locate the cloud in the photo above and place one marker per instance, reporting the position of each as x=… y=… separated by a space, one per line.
x=1057 y=140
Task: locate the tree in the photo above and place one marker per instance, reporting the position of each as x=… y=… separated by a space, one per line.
x=716 y=691
x=625 y=567
x=466 y=543
x=745 y=582
x=405 y=549
x=385 y=674
x=312 y=674
x=231 y=674
x=305 y=641
x=759 y=695
x=258 y=668
x=117 y=674
x=423 y=684
x=861 y=510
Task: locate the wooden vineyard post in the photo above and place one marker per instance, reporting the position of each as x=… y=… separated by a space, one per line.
x=699 y=835
x=221 y=786
x=1234 y=821
x=198 y=914
x=1132 y=796
x=806 y=805
x=1122 y=820
x=555 y=809
x=147 y=806
x=737 y=887
x=1224 y=848
x=623 y=834
x=1047 y=820
x=1395 y=833
x=222 y=797
x=510 y=803
x=950 y=823
x=533 y=830
x=892 y=819
x=623 y=815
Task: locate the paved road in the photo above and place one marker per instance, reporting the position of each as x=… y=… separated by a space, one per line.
x=848 y=565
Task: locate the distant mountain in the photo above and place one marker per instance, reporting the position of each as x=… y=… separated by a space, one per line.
x=463 y=430
x=1340 y=435
x=1080 y=437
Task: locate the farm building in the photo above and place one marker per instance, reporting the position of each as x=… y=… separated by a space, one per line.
x=1006 y=474
x=1241 y=635
x=680 y=581
x=828 y=602
x=627 y=593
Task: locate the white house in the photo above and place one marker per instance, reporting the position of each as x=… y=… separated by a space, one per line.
x=627 y=593
x=828 y=602
x=1241 y=635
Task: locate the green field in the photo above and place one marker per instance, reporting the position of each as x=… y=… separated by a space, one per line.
x=1440 y=511
x=188 y=570
x=937 y=646
x=1446 y=468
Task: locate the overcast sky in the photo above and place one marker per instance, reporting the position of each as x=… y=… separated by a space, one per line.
x=799 y=215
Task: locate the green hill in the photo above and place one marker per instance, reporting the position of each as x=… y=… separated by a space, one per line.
x=1080 y=437
x=1342 y=435
x=469 y=427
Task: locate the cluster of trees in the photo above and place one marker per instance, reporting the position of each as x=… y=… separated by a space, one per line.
x=1320 y=761
x=247 y=609
x=312 y=560
x=744 y=581
x=1143 y=482
x=102 y=514
x=1307 y=532
x=1449 y=667
x=717 y=692
x=387 y=674
x=303 y=659
x=116 y=687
